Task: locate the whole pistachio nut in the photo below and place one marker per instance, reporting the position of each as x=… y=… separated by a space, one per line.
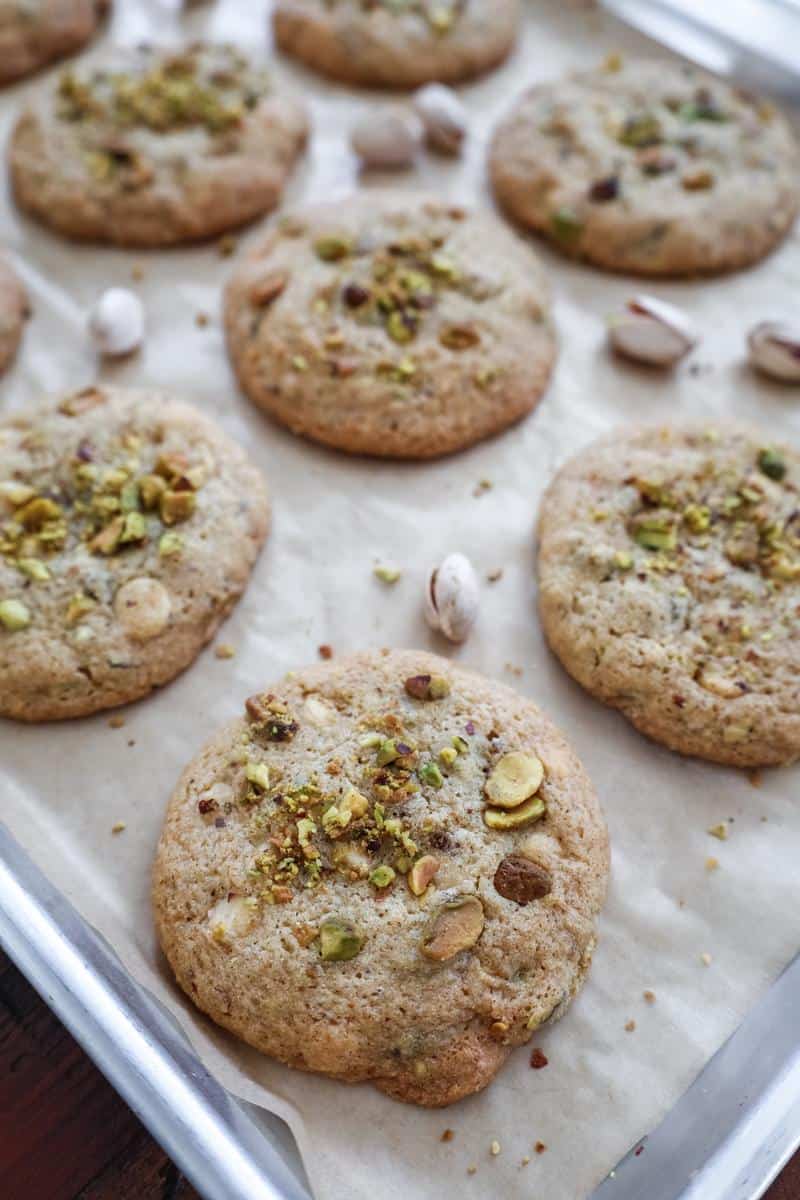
x=774 y=349
x=456 y=926
x=338 y=940
x=443 y=116
x=388 y=138
x=513 y=779
x=451 y=597
x=653 y=332
x=502 y=819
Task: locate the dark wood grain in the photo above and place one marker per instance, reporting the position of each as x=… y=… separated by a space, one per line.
x=66 y=1135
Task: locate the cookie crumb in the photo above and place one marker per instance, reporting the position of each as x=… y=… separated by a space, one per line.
x=650 y=997
x=120 y=827
x=471 y=1170
x=483 y=485
x=201 y=320
x=226 y=245
x=540 y=1147
x=447 y=1136
x=325 y=651
x=495 y=1148
x=705 y=959
x=116 y=722
x=224 y=650
x=755 y=778
x=525 y=1160
x=131 y=741
x=630 y=1026
x=712 y=864
x=495 y=576
x=137 y=273
x=538 y=1058
x=719 y=831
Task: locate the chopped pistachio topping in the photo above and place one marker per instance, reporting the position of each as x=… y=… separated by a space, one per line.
x=338 y=940
x=382 y=876
x=14 y=615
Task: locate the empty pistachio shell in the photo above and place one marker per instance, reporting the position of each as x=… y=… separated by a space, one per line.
x=116 y=323
x=421 y=874
x=443 y=116
x=338 y=940
x=388 y=138
x=514 y=778
x=514 y=818
x=456 y=926
x=451 y=597
x=774 y=348
x=651 y=331
x=142 y=607
x=520 y=880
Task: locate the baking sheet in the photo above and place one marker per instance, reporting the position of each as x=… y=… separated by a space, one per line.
x=63 y=787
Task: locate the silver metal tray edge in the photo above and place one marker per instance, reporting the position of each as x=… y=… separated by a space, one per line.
x=726 y=1139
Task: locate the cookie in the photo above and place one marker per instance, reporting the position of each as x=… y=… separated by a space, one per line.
x=654 y=168
x=129 y=524
x=391 y=324
x=386 y=43
x=34 y=33
x=669 y=586
x=388 y=869
x=152 y=148
x=13 y=310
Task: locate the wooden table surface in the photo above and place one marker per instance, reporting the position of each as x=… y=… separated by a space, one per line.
x=66 y=1135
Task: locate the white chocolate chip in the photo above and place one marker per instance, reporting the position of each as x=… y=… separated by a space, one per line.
x=142 y=607
x=318 y=712
x=451 y=597
x=652 y=331
x=443 y=116
x=388 y=138
x=116 y=323
x=230 y=917
x=774 y=348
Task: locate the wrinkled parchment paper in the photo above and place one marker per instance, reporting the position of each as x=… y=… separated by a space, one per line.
x=63 y=787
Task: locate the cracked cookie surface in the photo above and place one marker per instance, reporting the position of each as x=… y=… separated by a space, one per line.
x=328 y=886
x=129 y=524
x=392 y=324
x=153 y=148
x=649 y=167
x=669 y=586
x=397 y=43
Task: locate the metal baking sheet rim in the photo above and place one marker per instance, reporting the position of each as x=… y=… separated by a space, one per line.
x=726 y=1139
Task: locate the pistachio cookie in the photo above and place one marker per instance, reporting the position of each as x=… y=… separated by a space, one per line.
x=650 y=167
x=129 y=524
x=397 y=43
x=13 y=310
x=388 y=869
x=34 y=33
x=391 y=324
x=151 y=148
x=669 y=586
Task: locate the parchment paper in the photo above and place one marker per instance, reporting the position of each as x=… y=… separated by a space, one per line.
x=64 y=786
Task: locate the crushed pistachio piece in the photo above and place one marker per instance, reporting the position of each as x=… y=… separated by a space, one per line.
x=338 y=940
x=257 y=773
x=332 y=247
x=422 y=874
x=456 y=926
x=382 y=876
x=14 y=615
x=502 y=819
x=176 y=506
x=170 y=544
x=387 y=574
x=771 y=463
x=719 y=831
x=427 y=687
x=566 y=225
x=429 y=773
x=34 y=568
